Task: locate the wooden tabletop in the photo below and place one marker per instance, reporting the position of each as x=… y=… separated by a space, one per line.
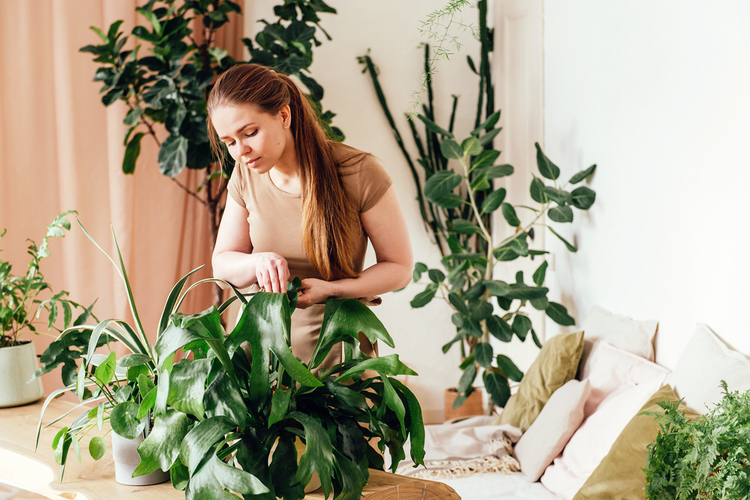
x=92 y=480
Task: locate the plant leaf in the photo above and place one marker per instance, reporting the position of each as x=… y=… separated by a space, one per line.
x=318 y=455
x=510 y=215
x=451 y=149
x=493 y=201
x=561 y=214
x=187 y=386
x=583 y=197
x=582 y=175
x=497 y=387
x=483 y=354
x=161 y=448
x=124 y=420
x=388 y=365
x=568 y=245
x=546 y=167
x=559 y=314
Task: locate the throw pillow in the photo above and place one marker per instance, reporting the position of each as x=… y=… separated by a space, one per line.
x=620 y=331
x=551 y=431
x=620 y=474
x=592 y=441
x=704 y=363
x=555 y=365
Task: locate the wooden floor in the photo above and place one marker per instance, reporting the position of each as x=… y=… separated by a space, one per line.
x=93 y=480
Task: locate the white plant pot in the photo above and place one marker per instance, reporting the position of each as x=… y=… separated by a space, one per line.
x=17 y=365
x=125 y=453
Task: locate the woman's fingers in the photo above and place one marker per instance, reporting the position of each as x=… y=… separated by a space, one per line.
x=273 y=273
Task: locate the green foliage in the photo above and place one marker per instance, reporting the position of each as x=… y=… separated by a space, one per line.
x=23 y=299
x=459 y=204
x=217 y=414
x=706 y=458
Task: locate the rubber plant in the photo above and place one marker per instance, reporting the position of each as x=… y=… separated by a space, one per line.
x=25 y=298
x=458 y=203
x=170 y=85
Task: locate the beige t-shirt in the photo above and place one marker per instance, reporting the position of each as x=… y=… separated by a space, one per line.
x=275 y=219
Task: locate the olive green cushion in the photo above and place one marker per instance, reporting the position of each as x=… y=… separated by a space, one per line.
x=620 y=473
x=556 y=364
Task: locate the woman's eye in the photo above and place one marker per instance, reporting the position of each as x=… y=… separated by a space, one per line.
x=251 y=134
x=230 y=144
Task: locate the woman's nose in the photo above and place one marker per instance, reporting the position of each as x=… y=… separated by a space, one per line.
x=244 y=148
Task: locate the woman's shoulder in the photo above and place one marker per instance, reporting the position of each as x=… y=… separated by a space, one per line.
x=363 y=176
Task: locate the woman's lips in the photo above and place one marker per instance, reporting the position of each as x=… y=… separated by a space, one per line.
x=252 y=163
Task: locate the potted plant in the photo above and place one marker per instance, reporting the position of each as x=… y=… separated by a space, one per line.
x=459 y=204
x=117 y=387
x=223 y=420
x=701 y=458
x=23 y=300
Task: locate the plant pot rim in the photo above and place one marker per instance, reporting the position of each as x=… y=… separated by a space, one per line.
x=18 y=343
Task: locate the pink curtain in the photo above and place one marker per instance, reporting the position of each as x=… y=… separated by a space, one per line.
x=61 y=149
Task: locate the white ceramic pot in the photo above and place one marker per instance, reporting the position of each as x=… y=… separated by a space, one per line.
x=17 y=365
x=125 y=453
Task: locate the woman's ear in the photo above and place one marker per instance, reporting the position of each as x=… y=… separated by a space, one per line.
x=286 y=116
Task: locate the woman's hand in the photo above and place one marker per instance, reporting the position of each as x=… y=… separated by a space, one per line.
x=313 y=291
x=271 y=271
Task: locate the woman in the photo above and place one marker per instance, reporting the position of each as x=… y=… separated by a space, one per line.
x=301 y=205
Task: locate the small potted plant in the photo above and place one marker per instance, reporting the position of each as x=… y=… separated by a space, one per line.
x=23 y=301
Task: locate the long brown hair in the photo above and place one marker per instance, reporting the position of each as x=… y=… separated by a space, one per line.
x=328 y=216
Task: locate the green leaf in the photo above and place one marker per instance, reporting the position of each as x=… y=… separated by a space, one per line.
x=497 y=171
x=480 y=183
x=493 y=201
x=583 y=197
x=561 y=214
x=134 y=359
x=462 y=226
x=174 y=295
x=451 y=149
x=509 y=368
x=485 y=159
x=161 y=448
x=559 y=314
x=124 y=420
x=492 y=119
x=224 y=398
x=497 y=387
x=440 y=184
x=133 y=116
x=536 y=339
x=318 y=455
x=97 y=447
x=449 y=200
x=437 y=276
x=393 y=401
x=539 y=303
x=419 y=269
x=471 y=146
x=559 y=196
x=467 y=379
x=546 y=167
x=173 y=155
x=344 y=320
x=519 y=245
x=187 y=386
x=105 y=371
x=521 y=326
x=497 y=288
x=499 y=328
x=389 y=365
x=148 y=403
x=433 y=127
x=279 y=405
x=200 y=440
x=537 y=191
x=483 y=354
x=540 y=274
x=416 y=424
x=568 y=245
x=510 y=215
x=489 y=136
x=582 y=175
x=423 y=298
x=209 y=482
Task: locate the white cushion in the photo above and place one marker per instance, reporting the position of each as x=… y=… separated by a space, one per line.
x=610 y=368
x=551 y=431
x=704 y=363
x=620 y=331
x=592 y=441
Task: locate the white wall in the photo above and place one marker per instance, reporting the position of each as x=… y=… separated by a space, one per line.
x=658 y=95
x=390 y=29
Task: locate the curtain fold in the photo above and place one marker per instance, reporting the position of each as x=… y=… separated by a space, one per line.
x=61 y=149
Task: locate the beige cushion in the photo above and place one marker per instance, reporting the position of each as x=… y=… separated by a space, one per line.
x=555 y=365
x=551 y=431
x=620 y=474
x=622 y=332
x=704 y=363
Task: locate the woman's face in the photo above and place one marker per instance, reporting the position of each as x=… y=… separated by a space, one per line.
x=256 y=139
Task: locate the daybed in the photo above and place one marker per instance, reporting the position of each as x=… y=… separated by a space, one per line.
x=574 y=420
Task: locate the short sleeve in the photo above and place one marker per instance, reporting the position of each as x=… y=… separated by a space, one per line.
x=236 y=185
x=374 y=181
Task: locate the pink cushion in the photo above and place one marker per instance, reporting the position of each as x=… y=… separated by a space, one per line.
x=610 y=368
x=550 y=432
x=592 y=441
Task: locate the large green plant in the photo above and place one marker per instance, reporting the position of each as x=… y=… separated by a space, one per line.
x=706 y=458
x=217 y=416
x=170 y=85
x=23 y=298
x=457 y=204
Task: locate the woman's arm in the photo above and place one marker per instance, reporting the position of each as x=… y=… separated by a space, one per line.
x=385 y=226
x=234 y=261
